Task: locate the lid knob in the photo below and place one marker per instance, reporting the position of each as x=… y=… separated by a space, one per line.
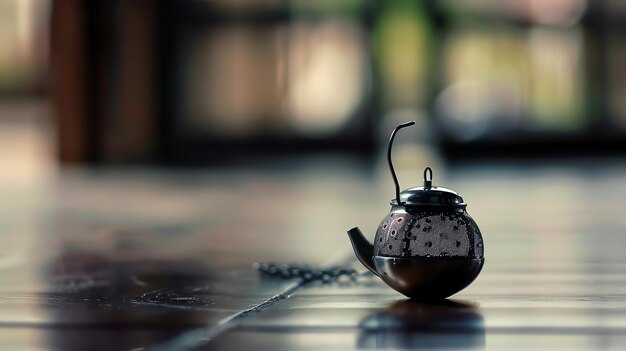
x=428 y=178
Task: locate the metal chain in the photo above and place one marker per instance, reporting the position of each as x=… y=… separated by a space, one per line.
x=305 y=272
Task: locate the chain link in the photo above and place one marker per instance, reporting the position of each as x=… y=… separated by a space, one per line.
x=305 y=272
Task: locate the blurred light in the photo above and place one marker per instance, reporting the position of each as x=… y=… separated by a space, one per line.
x=402 y=38
x=306 y=76
x=326 y=72
x=557 y=12
x=231 y=80
x=562 y=13
x=23 y=48
x=487 y=75
x=466 y=108
x=512 y=79
x=557 y=88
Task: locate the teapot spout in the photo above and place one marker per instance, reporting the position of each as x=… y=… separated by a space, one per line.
x=362 y=248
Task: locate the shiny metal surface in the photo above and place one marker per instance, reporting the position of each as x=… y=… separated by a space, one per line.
x=430 y=197
x=428 y=278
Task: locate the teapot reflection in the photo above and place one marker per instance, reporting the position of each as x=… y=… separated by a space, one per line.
x=435 y=325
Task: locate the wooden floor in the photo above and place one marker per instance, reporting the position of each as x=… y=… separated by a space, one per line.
x=143 y=259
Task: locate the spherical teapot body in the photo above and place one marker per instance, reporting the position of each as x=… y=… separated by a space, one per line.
x=428 y=253
x=428 y=246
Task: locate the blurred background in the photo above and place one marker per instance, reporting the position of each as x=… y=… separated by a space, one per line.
x=144 y=143
x=212 y=82
x=162 y=115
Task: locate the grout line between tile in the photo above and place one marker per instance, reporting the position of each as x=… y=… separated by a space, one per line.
x=199 y=337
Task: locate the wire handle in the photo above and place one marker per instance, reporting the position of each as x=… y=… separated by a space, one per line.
x=393 y=172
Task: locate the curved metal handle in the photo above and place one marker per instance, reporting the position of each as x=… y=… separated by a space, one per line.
x=393 y=172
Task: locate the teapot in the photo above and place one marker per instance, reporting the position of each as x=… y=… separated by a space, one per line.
x=427 y=247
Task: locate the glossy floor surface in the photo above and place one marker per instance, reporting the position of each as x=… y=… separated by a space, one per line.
x=132 y=259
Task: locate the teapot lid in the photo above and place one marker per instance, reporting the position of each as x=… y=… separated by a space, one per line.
x=429 y=195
